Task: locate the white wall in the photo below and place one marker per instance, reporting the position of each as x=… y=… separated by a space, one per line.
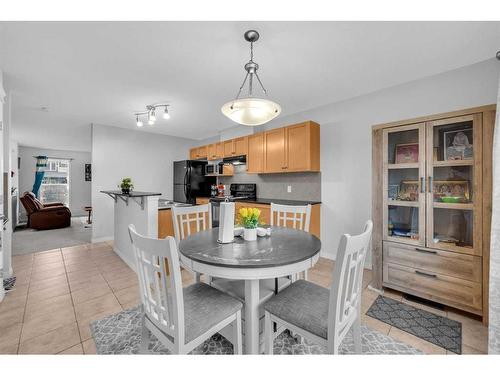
x=80 y=190
x=145 y=157
x=346 y=137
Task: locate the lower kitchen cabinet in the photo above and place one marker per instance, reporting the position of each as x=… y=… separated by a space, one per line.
x=165 y=223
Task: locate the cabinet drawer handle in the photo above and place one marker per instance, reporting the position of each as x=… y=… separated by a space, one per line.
x=425 y=274
x=426 y=251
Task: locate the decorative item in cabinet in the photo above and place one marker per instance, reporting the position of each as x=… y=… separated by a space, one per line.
x=450 y=191
x=408 y=191
x=407 y=153
x=458 y=144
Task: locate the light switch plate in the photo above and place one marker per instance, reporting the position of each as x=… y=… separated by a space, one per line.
x=289 y=189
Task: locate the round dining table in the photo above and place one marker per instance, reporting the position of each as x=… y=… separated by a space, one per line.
x=285 y=252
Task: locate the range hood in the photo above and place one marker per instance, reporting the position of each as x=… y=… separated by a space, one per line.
x=235 y=160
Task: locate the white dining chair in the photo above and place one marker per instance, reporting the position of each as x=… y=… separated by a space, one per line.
x=180 y=318
x=297 y=217
x=321 y=315
x=191 y=219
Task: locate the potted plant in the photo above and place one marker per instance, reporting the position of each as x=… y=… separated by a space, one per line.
x=249 y=219
x=126 y=185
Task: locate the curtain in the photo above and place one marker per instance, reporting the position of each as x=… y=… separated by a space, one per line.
x=494 y=310
x=41 y=165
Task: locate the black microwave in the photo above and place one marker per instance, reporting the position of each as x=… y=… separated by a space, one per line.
x=211 y=169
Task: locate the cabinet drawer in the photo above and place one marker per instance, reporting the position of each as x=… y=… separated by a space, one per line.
x=463 y=294
x=448 y=263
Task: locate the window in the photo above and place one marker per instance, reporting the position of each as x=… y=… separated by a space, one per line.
x=55 y=183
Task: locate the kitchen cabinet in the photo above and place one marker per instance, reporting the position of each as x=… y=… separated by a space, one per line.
x=202 y=200
x=215 y=151
x=236 y=147
x=165 y=223
x=255 y=155
x=432 y=207
x=275 y=160
x=197 y=153
x=294 y=148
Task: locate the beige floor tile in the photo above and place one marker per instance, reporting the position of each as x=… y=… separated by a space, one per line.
x=47 y=253
x=94 y=307
x=10 y=317
x=9 y=335
x=128 y=295
x=466 y=349
x=130 y=304
x=48 y=282
x=77 y=259
x=84 y=324
x=375 y=324
x=126 y=272
x=41 y=324
x=90 y=292
x=48 y=292
x=11 y=302
x=367 y=299
x=8 y=349
x=47 y=274
x=78 y=276
x=48 y=260
x=85 y=282
x=52 y=342
x=89 y=346
x=50 y=305
x=474 y=333
x=320 y=280
x=74 y=350
x=21 y=266
x=367 y=278
x=124 y=282
x=425 y=346
x=47 y=266
x=75 y=249
x=81 y=267
x=23 y=277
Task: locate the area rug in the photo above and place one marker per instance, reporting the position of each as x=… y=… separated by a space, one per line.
x=121 y=334
x=436 y=329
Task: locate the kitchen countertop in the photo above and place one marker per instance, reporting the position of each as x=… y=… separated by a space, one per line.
x=167 y=205
x=289 y=202
x=131 y=194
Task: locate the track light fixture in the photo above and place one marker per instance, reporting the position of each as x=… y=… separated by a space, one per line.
x=150 y=112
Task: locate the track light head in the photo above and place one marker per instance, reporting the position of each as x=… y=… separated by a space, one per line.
x=166 y=115
x=138 y=122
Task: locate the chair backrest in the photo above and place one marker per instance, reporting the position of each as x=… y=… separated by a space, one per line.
x=345 y=292
x=160 y=282
x=30 y=202
x=191 y=219
x=298 y=216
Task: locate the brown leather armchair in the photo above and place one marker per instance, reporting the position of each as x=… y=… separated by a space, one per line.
x=45 y=216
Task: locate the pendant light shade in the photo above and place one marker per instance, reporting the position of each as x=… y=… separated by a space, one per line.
x=251 y=111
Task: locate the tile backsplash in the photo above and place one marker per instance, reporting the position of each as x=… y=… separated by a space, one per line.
x=304 y=186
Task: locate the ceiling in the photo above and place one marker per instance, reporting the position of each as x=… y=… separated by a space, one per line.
x=101 y=72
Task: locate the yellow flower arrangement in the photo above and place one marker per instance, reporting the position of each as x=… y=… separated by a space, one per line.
x=249 y=217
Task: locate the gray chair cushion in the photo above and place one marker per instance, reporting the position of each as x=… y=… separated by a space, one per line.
x=303 y=304
x=204 y=307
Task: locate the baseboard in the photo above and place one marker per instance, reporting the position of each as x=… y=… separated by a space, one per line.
x=121 y=254
x=102 y=239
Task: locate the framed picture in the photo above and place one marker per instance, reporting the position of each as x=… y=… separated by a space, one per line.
x=88 y=172
x=393 y=192
x=409 y=190
x=458 y=144
x=458 y=191
x=406 y=153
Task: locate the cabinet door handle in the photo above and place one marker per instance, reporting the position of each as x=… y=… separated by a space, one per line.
x=425 y=274
x=422 y=185
x=430 y=184
x=426 y=251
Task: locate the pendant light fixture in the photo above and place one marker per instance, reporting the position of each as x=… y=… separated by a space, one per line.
x=251 y=111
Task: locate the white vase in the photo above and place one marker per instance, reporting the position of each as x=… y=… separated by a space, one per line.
x=250 y=234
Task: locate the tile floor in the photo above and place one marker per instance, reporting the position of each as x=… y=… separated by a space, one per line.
x=59 y=292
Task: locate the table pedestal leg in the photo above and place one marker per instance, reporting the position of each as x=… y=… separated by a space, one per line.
x=252 y=316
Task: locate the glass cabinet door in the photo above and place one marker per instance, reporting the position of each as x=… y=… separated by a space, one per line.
x=454 y=182
x=404 y=184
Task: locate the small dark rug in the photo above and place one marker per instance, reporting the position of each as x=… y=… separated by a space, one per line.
x=9 y=282
x=436 y=329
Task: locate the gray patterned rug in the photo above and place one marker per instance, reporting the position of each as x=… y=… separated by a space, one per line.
x=121 y=334
x=436 y=329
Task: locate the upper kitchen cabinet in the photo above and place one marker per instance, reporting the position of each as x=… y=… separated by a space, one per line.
x=236 y=147
x=295 y=148
x=198 y=153
x=255 y=155
x=215 y=151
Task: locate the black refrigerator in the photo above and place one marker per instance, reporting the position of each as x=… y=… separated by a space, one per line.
x=190 y=181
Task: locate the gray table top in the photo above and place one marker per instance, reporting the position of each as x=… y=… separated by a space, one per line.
x=284 y=246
